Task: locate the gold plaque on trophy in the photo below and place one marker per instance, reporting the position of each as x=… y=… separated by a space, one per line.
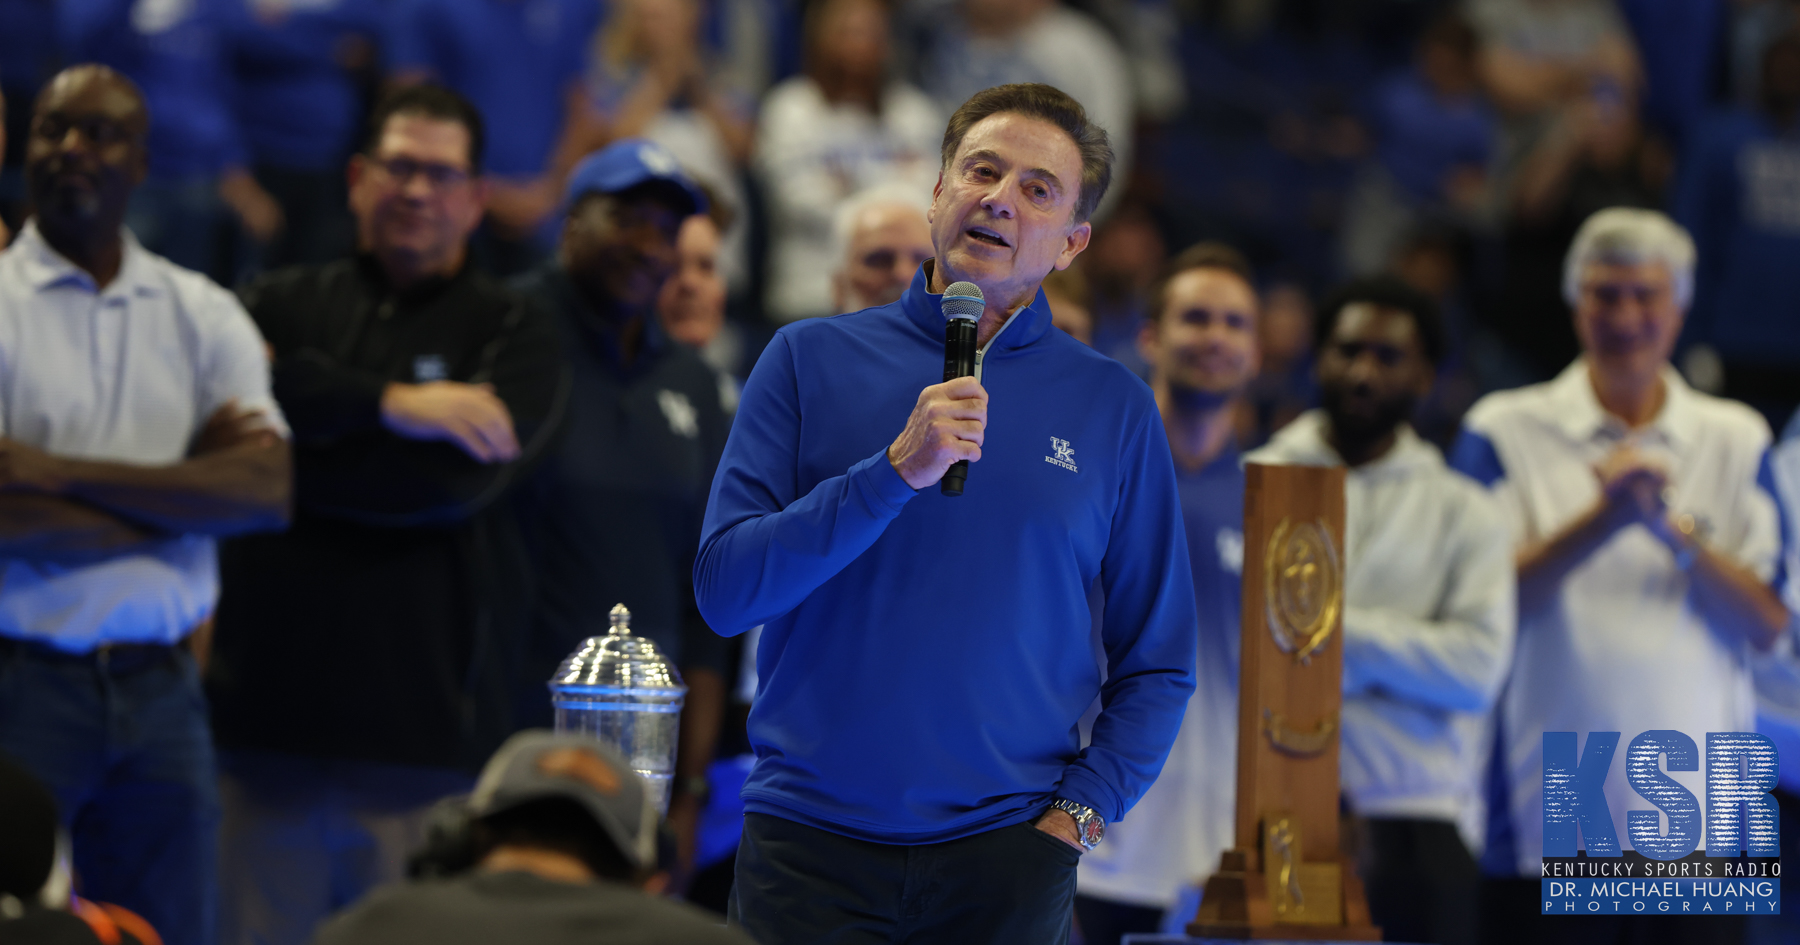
x=1305 y=586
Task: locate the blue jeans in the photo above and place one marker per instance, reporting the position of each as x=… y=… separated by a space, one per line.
x=129 y=757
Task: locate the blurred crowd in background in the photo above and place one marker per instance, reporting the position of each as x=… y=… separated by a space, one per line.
x=1456 y=144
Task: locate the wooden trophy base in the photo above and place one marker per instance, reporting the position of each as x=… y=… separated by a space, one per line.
x=1238 y=904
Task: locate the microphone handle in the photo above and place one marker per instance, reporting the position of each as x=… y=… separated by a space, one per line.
x=959 y=361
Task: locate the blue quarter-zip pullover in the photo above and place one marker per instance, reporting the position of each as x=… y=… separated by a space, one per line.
x=924 y=659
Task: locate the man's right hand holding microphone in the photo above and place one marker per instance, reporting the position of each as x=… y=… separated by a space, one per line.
x=947 y=425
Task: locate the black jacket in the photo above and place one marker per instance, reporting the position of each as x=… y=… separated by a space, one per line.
x=384 y=625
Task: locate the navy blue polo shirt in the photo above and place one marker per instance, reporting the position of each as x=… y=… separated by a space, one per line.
x=514 y=60
x=612 y=515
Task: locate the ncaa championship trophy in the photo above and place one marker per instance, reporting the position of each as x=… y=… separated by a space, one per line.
x=1285 y=878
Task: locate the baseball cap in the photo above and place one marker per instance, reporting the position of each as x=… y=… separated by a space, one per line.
x=625 y=164
x=539 y=764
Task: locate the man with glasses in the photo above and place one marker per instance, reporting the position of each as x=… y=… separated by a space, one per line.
x=136 y=426
x=361 y=662
x=1646 y=534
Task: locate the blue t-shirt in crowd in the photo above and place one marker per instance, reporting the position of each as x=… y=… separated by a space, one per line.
x=515 y=60
x=1739 y=195
x=1212 y=508
x=297 y=104
x=177 y=54
x=1422 y=137
x=1677 y=41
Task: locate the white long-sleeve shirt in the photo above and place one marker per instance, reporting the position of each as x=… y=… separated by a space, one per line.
x=1429 y=620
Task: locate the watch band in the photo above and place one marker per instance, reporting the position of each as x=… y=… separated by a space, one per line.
x=1090 y=827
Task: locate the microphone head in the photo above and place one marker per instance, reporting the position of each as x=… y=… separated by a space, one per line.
x=963 y=300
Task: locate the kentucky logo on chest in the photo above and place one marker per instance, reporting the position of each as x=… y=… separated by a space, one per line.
x=1065 y=455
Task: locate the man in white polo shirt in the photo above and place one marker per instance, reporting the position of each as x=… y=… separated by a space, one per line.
x=136 y=425
x=1645 y=534
x=1428 y=610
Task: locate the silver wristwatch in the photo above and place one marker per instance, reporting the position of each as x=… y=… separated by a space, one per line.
x=1089 y=825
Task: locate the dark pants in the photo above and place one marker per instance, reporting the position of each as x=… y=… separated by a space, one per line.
x=124 y=746
x=1421 y=881
x=798 y=885
x=1510 y=913
x=1105 y=922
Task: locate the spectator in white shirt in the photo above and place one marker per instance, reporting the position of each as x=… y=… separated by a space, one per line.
x=1428 y=610
x=880 y=239
x=842 y=127
x=136 y=425
x=1646 y=535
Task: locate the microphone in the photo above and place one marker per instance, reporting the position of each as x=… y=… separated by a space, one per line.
x=963 y=303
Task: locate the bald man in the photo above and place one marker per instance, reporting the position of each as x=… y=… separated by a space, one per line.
x=884 y=241
x=136 y=427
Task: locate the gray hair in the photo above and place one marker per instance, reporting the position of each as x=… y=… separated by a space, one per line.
x=843 y=221
x=1628 y=236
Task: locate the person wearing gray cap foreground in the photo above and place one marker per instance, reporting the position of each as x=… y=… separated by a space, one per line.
x=561 y=833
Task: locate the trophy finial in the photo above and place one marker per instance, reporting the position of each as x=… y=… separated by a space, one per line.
x=621 y=619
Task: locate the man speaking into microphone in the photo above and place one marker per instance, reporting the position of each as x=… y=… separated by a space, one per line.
x=925 y=658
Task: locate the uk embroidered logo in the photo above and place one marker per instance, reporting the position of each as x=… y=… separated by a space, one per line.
x=683 y=418
x=1065 y=455
x=430 y=367
x=657 y=159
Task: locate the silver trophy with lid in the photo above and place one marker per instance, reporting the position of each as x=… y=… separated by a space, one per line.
x=617 y=688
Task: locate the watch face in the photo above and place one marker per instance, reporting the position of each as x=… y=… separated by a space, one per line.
x=1092 y=828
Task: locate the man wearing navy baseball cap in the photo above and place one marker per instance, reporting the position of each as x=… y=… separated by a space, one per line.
x=614 y=513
